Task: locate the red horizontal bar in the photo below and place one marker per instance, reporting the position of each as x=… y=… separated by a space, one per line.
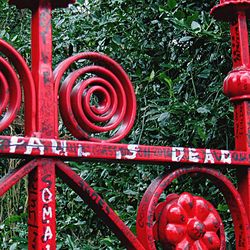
x=84 y=150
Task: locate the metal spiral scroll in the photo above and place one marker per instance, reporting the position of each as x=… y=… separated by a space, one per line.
x=10 y=88
x=115 y=107
x=186 y=221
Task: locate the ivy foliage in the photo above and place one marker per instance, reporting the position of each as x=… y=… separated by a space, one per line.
x=177 y=57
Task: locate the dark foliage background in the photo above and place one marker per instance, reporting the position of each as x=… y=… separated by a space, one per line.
x=177 y=57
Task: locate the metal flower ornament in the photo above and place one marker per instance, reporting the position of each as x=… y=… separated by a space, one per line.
x=180 y=221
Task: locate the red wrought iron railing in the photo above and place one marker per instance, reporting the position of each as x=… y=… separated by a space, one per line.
x=180 y=222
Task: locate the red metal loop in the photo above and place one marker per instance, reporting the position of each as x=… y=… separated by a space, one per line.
x=12 y=94
x=87 y=114
x=4 y=93
x=11 y=89
x=148 y=211
x=115 y=107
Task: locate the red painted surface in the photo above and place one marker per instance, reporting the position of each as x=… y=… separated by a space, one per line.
x=147 y=212
x=42 y=217
x=10 y=89
x=16 y=175
x=42 y=203
x=21 y=4
x=180 y=221
x=84 y=151
x=116 y=107
x=188 y=221
x=227 y=9
x=237 y=84
x=98 y=205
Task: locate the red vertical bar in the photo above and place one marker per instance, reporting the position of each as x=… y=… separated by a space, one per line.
x=42 y=67
x=42 y=215
x=239 y=38
x=41 y=221
x=242 y=142
x=240 y=54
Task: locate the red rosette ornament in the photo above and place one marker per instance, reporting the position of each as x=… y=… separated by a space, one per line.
x=187 y=222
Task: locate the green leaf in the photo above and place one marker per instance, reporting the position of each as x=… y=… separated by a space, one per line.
x=203 y=110
x=163 y=118
x=195 y=25
x=185 y=38
x=152 y=76
x=171 y=4
x=130 y=192
x=117 y=40
x=204 y=74
x=13 y=246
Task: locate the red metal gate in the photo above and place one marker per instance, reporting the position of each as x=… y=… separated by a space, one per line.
x=180 y=222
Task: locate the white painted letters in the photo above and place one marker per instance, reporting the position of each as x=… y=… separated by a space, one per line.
x=80 y=152
x=46 y=195
x=177 y=154
x=133 y=149
x=193 y=155
x=62 y=151
x=47 y=212
x=118 y=155
x=48 y=234
x=226 y=156
x=208 y=156
x=14 y=142
x=33 y=144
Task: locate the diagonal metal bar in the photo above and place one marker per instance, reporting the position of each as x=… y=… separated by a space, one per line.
x=16 y=175
x=100 y=207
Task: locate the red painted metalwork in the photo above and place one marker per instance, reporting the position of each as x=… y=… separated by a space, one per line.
x=237 y=84
x=42 y=204
x=33 y=3
x=84 y=150
x=180 y=221
x=98 y=205
x=188 y=221
x=11 y=91
x=116 y=107
x=16 y=175
x=148 y=209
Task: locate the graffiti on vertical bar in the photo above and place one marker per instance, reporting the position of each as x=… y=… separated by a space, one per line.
x=239 y=121
x=248 y=124
x=235 y=36
x=45 y=24
x=32 y=210
x=47 y=211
